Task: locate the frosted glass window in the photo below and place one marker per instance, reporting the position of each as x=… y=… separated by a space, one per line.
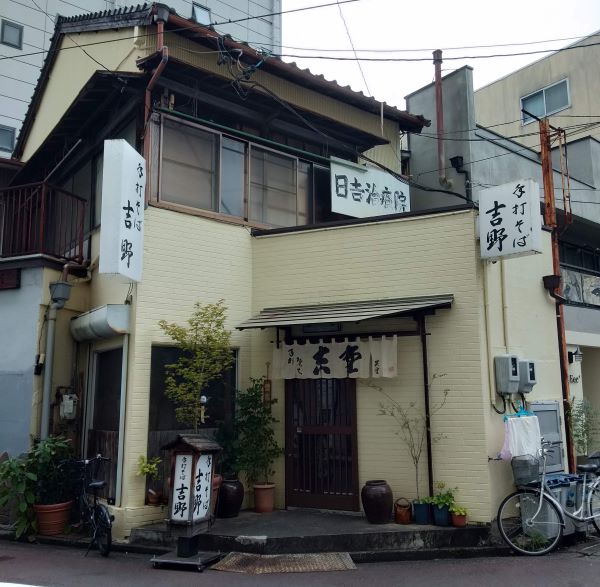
x=233 y=176
x=189 y=164
x=533 y=104
x=546 y=101
x=11 y=34
x=201 y=14
x=7 y=138
x=557 y=97
x=272 y=188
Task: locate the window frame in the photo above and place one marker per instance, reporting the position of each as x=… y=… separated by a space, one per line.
x=13 y=133
x=249 y=145
x=201 y=7
x=543 y=90
x=19 y=27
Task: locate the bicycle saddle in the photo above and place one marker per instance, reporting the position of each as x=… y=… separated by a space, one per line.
x=97 y=484
x=588 y=468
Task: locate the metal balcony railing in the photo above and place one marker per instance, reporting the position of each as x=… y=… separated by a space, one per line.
x=40 y=218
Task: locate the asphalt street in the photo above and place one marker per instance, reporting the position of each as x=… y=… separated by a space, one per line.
x=59 y=566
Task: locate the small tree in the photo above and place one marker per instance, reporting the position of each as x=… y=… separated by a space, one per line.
x=412 y=425
x=585 y=425
x=257 y=447
x=206 y=355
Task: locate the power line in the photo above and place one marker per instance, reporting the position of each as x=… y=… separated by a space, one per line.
x=13 y=98
x=362 y=73
x=16 y=79
x=446 y=58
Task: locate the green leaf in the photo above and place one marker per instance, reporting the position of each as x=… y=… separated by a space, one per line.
x=31 y=476
x=23 y=506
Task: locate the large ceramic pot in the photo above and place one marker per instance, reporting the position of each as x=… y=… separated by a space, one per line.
x=52 y=519
x=231 y=496
x=264 y=498
x=377 y=500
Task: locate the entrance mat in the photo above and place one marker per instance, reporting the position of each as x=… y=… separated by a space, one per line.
x=257 y=564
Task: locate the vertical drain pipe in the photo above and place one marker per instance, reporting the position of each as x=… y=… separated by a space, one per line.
x=439 y=114
x=122 y=408
x=427 y=407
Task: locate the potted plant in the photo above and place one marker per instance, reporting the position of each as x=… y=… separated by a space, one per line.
x=442 y=501
x=422 y=510
x=231 y=493
x=17 y=492
x=149 y=468
x=257 y=447
x=459 y=516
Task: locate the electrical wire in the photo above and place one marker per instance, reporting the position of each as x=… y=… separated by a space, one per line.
x=446 y=58
x=362 y=73
x=16 y=79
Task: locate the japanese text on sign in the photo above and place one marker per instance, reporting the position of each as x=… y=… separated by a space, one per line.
x=181 y=488
x=202 y=488
x=122 y=217
x=361 y=191
x=337 y=360
x=509 y=220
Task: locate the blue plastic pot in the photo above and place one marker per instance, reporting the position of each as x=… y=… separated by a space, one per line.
x=441 y=515
x=421 y=513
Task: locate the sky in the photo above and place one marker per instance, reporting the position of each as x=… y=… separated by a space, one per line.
x=389 y=25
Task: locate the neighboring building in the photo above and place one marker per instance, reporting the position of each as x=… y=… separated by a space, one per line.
x=488 y=160
x=241 y=206
x=26 y=29
x=565 y=87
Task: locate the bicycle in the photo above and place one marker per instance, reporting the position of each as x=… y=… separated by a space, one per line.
x=93 y=514
x=531 y=521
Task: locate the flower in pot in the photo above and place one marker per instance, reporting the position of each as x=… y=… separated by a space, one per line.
x=150 y=469
x=442 y=501
x=257 y=447
x=459 y=516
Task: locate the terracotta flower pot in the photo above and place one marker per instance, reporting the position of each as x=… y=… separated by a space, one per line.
x=53 y=518
x=459 y=521
x=402 y=511
x=264 y=498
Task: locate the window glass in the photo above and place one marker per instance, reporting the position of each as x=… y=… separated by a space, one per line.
x=188 y=172
x=272 y=188
x=7 y=138
x=533 y=104
x=11 y=34
x=304 y=193
x=201 y=14
x=233 y=176
x=557 y=97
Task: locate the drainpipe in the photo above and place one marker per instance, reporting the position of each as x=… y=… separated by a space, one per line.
x=60 y=291
x=439 y=113
x=122 y=408
x=423 y=333
x=161 y=16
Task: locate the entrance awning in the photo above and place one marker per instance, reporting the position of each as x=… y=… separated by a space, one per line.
x=346 y=311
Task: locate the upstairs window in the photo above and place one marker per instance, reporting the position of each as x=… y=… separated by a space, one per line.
x=201 y=14
x=7 y=138
x=11 y=34
x=206 y=170
x=546 y=101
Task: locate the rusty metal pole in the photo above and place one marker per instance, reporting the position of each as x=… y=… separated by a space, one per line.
x=439 y=112
x=550 y=220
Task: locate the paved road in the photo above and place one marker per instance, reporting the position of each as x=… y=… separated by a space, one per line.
x=56 y=566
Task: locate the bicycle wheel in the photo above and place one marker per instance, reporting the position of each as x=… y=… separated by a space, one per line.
x=103 y=529
x=525 y=532
x=594 y=506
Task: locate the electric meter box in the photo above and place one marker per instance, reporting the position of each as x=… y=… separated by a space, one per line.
x=507 y=374
x=527 y=375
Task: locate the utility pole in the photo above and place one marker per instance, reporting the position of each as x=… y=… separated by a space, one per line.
x=550 y=221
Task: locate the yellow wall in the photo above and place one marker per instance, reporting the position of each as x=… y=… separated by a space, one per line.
x=71 y=72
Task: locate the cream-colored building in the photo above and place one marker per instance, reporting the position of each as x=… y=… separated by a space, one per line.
x=239 y=208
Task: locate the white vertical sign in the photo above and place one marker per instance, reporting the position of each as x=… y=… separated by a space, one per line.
x=202 y=488
x=182 y=488
x=122 y=216
x=510 y=224
x=362 y=192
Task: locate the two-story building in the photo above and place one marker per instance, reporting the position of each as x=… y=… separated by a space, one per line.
x=254 y=195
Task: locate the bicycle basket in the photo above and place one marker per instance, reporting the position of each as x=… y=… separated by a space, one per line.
x=526 y=469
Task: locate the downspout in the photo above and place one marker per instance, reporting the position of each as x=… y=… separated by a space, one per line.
x=161 y=16
x=122 y=407
x=439 y=114
x=59 y=295
x=427 y=407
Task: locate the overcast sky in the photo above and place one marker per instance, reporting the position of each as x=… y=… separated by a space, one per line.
x=428 y=25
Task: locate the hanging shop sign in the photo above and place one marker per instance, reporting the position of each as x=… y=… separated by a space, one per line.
x=122 y=216
x=510 y=222
x=361 y=192
x=357 y=359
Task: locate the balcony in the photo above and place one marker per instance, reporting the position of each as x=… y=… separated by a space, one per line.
x=41 y=219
